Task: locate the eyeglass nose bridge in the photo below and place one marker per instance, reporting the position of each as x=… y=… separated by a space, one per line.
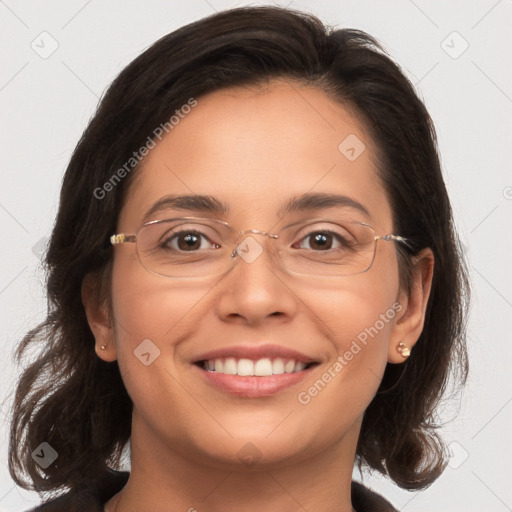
x=253 y=232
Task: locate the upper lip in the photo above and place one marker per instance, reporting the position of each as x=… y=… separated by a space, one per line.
x=254 y=352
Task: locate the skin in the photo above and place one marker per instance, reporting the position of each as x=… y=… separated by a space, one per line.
x=252 y=149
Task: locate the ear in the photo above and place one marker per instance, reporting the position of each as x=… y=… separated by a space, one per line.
x=411 y=318
x=98 y=317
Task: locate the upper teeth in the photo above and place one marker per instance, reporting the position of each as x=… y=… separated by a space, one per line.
x=259 y=368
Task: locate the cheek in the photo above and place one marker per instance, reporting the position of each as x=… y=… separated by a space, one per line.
x=150 y=306
x=360 y=307
x=357 y=319
x=152 y=315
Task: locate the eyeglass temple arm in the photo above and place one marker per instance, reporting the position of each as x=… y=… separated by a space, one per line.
x=395 y=238
x=122 y=238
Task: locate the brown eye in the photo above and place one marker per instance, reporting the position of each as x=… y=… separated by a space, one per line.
x=188 y=241
x=320 y=241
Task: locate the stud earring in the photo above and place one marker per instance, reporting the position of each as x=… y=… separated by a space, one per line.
x=403 y=350
x=103 y=347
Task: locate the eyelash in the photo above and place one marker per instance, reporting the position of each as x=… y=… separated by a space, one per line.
x=175 y=236
x=343 y=241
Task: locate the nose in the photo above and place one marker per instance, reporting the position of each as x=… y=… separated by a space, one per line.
x=255 y=291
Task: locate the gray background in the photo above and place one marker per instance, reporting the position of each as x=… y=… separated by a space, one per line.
x=47 y=100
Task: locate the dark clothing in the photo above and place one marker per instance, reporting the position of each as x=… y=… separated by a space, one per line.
x=92 y=498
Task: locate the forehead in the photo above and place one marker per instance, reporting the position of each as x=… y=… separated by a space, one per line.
x=255 y=148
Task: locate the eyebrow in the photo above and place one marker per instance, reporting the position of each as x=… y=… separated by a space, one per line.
x=320 y=201
x=195 y=203
x=310 y=202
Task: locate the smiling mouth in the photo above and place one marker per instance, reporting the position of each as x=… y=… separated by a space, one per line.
x=263 y=367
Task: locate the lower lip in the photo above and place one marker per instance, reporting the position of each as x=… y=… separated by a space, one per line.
x=254 y=387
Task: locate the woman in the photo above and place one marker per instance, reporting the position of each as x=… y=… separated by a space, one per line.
x=253 y=278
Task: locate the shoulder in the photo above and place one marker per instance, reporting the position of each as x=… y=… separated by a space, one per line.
x=90 y=497
x=365 y=500
x=93 y=495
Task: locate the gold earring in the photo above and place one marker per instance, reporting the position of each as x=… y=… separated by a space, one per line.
x=403 y=350
x=103 y=347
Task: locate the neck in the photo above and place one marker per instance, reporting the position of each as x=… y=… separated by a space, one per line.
x=162 y=479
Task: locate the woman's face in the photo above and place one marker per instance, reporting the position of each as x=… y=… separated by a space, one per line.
x=254 y=151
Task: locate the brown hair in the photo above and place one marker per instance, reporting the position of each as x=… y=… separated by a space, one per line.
x=76 y=402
